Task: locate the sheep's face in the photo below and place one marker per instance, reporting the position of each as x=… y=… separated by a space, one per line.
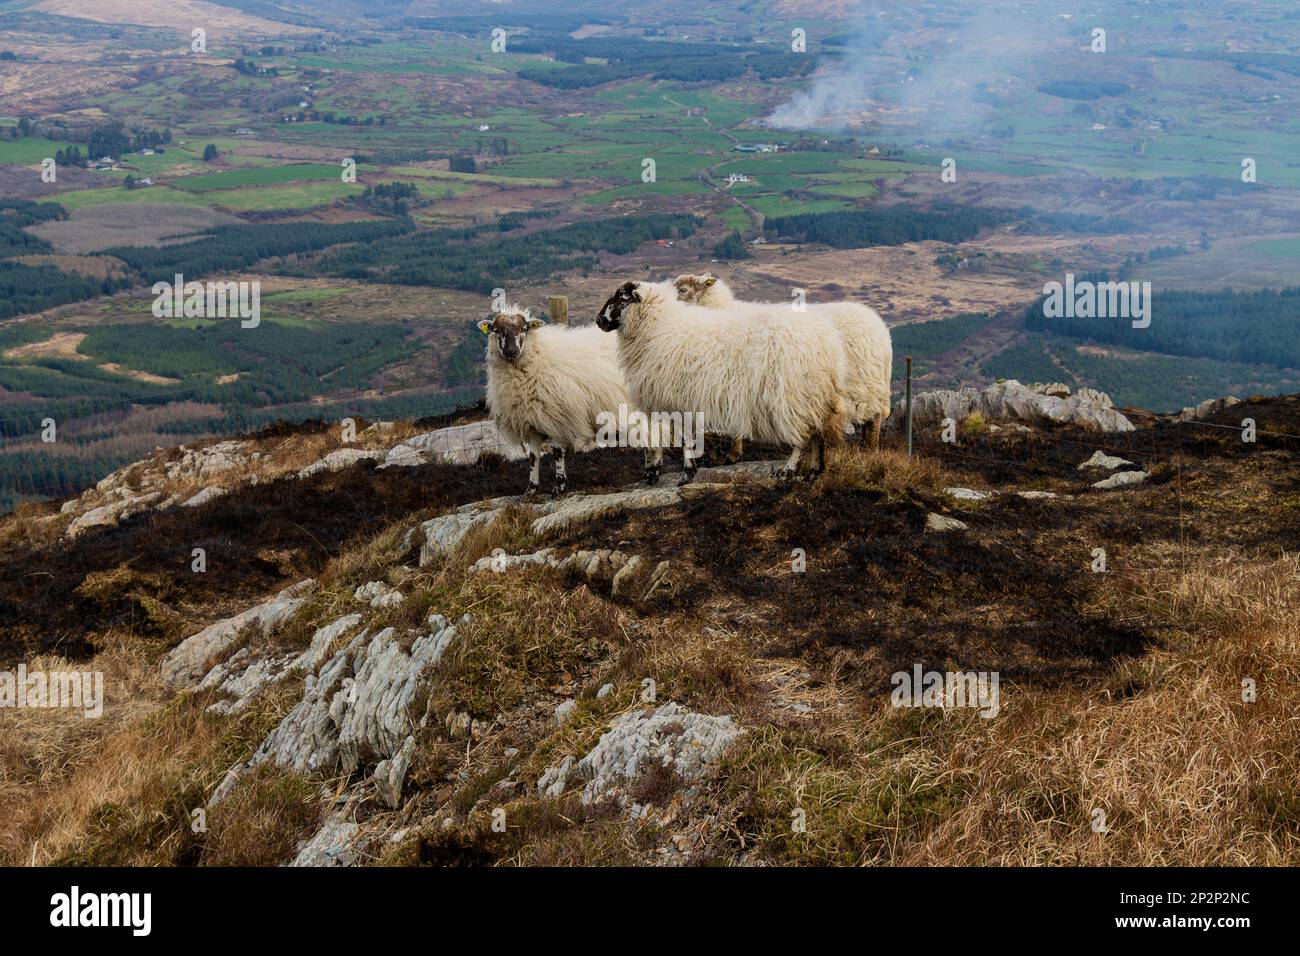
x=507 y=331
x=611 y=314
x=691 y=288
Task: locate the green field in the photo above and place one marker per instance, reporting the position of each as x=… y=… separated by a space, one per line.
x=29 y=151
x=261 y=176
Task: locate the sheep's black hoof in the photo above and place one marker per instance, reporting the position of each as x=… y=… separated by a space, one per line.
x=730 y=459
x=532 y=490
x=561 y=485
x=651 y=476
x=687 y=477
x=788 y=474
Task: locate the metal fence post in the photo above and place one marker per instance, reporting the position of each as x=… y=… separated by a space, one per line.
x=909 y=406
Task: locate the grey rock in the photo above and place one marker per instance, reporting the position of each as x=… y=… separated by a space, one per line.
x=689 y=743
x=340 y=459
x=210 y=493
x=331 y=845
x=554 y=779
x=1122 y=479
x=355 y=711
x=938 y=522
x=969 y=494
x=564 y=713
x=379 y=595
x=1100 y=459
x=459 y=444
x=578 y=509
x=444 y=533
x=1012 y=401
x=110 y=514
x=183 y=666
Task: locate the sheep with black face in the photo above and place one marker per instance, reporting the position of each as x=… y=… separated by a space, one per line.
x=547 y=384
x=758 y=373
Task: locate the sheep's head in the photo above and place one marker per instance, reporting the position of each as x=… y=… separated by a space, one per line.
x=691 y=288
x=610 y=317
x=508 y=329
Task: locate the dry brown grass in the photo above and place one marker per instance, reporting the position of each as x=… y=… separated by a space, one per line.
x=117 y=790
x=1185 y=772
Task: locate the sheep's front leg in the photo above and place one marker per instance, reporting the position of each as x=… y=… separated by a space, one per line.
x=561 y=472
x=689 y=466
x=876 y=424
x=534 y=468
x=791 y=467
x=737 y=451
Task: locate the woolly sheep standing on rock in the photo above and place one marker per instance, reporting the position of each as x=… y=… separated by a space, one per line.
x=547 y=384
x=867 y=348
x=759 y=374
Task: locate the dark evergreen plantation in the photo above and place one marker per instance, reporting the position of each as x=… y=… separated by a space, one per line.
x=1253 y=327
x=450 y=259
x=888 y=225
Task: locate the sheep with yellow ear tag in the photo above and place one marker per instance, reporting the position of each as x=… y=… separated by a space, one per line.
x=548 y=385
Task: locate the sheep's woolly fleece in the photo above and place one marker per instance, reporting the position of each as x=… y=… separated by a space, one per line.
x=554 y=390
x=763 y=374
x=869 y=352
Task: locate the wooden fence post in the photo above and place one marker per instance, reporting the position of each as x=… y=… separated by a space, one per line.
x=560 y=309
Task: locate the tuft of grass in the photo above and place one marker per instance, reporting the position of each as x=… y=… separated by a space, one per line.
x=262 y=820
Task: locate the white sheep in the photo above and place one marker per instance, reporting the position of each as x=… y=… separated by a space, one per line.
x=764 y=375
x=547 y=384
x=867 y=348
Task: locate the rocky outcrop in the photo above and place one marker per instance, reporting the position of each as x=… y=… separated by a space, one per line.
x=1207 y=408
x=688 y=744
x=626 y=576
x=331 y=845
x=185 y=664
x=458 y=444
x=357 y=711
x=379 y=595
x=1122 y=479
x=1010 y=400
x=938 y=522
x=340 y=459
x=210 y=493
x=1100 y=459
x=578 y=509
x=443 y=533
x=207 y=462
x=241 y=678
x=113 y=512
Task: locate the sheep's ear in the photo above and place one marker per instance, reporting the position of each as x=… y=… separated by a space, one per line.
x=485 y=326
x=535 y=322
x=709 y=280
